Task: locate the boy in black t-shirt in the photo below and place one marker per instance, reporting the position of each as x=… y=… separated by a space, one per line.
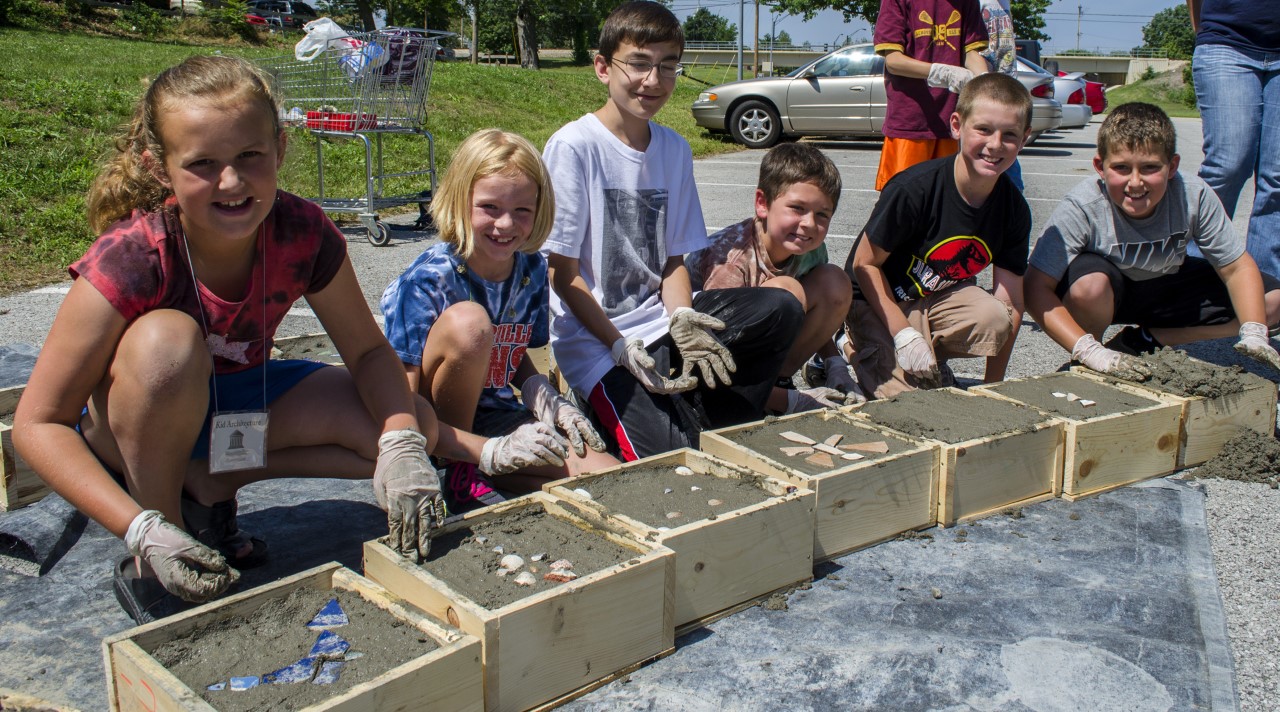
x=936 y=226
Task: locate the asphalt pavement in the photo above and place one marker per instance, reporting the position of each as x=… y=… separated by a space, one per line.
x=1127 y=614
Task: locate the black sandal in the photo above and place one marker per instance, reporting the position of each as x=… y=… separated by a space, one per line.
x=215 y=526
x=144 y=599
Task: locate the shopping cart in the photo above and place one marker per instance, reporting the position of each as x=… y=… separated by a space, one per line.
x=365 y=87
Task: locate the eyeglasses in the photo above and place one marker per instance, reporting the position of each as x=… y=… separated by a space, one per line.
x=641 y=68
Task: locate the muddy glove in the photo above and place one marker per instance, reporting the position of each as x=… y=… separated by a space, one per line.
x=632 y=356
x=691 y=330
x=408 y=488
x=530 y=445
x=840 y=378
x=554 y=410
x=916 y=357
x=1255 y=344
x=1112 y=363
x=185 y=567
x=804 y=399
x=948 y=76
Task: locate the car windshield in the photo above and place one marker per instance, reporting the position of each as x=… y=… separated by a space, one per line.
x=848 y=62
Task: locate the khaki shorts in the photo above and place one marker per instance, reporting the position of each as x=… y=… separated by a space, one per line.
x=899 y=154
x=959 y=322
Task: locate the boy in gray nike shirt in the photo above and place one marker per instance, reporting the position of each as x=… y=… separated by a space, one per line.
x=1115 y=252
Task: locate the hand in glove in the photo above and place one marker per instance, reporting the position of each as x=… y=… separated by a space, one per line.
x=804 y=399
x=632 y=356
x=554 y=410
x=1113 y=363
x=185 y=567
x=1255 y=344
x=916 y=357
x=948 y=76
x=691 y=331
x=408 y=488
x=530 y=445
x=840 y=378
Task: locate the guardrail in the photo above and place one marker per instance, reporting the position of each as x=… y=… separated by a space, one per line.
x=1136 y=53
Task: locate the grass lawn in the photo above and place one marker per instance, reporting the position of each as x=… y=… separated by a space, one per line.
x=57 y=125
x=1166 y=91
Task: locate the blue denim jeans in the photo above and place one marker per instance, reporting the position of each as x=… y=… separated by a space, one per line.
x=1239 y=96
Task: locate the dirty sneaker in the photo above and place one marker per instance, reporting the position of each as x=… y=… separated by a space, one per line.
x=813 y=372
x=465 y=488
x=1133 y=340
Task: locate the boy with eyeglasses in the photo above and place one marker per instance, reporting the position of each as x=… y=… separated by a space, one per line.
x=656 y=363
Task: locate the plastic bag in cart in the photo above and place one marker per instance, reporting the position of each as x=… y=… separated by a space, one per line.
x=356 y=56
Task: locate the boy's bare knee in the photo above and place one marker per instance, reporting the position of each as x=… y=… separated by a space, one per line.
x=468 y=329
x=1091 y=290
x=789 y=284
x=1271 y=300
x=828 y=286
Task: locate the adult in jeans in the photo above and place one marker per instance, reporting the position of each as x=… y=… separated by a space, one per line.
x=1237 y=75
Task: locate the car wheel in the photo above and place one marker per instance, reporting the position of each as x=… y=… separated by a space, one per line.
x=755 y=124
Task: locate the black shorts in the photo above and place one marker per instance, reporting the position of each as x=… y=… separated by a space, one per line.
x=760 y=326
x=1193 y=296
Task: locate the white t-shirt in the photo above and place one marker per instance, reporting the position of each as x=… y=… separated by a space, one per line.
x=621 y=213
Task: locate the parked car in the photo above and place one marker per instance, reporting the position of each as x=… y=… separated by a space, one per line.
x=1068 y=90
x=841 y=94
x=283 y=13
x=1095 y=95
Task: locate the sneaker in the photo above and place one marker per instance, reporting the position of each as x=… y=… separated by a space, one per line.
x=813 y=372
x=466 y=488
x=1133 y=340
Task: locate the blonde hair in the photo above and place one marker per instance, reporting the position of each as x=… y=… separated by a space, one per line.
x=487 y=153
x=126 y=182
x=999 y=88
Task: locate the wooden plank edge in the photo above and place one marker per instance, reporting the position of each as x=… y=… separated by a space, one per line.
x=739 y=607
x=589 y=687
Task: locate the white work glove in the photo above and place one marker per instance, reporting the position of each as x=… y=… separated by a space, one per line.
x=185 y=567
x=915 y=356
x=840 y=377
x=691 y=331
x=1255 y=344
x=1112 y=363
x=632 y=356
x=948 y=76
x=804 y=399
x=530 y=445
x=408 y=489
x=551 y=408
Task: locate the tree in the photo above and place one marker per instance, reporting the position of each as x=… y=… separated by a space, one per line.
x=783 y=39
x=1170 y=30
x=703 y=26
x=1028 y=19
x=853 y=9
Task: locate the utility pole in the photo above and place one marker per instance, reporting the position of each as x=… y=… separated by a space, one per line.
x=742 y=36
x=755 y=55
x=1079 y=14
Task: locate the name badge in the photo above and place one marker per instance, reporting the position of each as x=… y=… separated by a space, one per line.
x=238 y=441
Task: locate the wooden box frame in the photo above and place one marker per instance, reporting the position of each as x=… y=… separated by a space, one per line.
x=559 y=643
x=722 y=562
x=858 y=503
x=22 y=486
x=1208 y=423
x=1108 y=451
x=982 y=476
x=448 y=677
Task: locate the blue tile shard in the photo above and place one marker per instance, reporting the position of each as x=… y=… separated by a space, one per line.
x=331 y=616
x=329 y=672
x=301 y=671
x=239 y=684
x=217 y=686
x=329 y=645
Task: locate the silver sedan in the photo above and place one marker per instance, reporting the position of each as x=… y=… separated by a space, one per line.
x=841 y=94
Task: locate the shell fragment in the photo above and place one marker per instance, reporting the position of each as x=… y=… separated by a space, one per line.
x=1059 y=394
x=852 y=456
x=821 y=458
x=1087 y=403
x=526 y=579
x=834 y=440
x=797 y=438
x=511 y=562
x=561 y=565
x=879 y=446
x=583 y=493
x=684 y=471
x=793 y=451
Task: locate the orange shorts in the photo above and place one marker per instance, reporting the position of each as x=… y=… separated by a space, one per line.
x=900 y=154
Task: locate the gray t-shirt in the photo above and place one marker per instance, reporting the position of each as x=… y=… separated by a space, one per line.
x=1087 y=221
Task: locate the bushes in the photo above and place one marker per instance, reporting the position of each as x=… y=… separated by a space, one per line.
x=142 y=19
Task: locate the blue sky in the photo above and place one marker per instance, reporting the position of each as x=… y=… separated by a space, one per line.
x=1105 y=24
